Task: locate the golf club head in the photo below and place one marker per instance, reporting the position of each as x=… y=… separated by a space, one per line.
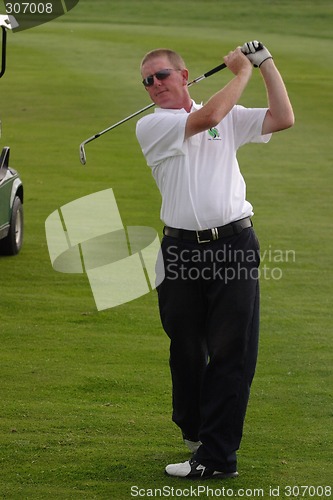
x=83 y=158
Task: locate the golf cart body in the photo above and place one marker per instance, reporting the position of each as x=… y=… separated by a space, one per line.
x=11 y=207
x=11 y=187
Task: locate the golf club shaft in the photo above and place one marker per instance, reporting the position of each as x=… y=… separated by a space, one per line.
x=206 y=75
x=118 y=123
x=93 y=137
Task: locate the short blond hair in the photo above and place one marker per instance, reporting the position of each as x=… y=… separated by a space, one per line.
x=175 y=59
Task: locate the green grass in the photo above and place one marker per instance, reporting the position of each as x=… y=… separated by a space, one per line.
x=85 y=395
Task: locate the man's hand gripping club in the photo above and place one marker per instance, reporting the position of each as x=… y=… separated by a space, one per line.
x=256 y=52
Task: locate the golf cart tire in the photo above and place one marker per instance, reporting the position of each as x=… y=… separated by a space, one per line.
x=11 y=245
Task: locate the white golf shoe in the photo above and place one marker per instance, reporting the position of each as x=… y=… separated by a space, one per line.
x=191 y=469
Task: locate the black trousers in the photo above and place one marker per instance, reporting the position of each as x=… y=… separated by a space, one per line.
x=209 y=307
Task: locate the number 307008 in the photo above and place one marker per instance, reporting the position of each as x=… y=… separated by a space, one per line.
x=308 y=491
x=29 y=8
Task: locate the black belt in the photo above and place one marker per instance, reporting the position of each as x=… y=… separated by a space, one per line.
x=208 y=235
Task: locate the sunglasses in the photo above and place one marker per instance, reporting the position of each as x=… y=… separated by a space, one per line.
x=160 y=75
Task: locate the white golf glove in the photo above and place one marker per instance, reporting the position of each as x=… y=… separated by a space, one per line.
x=256 y=52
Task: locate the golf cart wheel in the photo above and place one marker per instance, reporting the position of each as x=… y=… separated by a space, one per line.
x=11 y=245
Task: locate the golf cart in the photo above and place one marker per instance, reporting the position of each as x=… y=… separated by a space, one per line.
x=11 y=187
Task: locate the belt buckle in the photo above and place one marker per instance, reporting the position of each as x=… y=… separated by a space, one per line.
x=215 y=235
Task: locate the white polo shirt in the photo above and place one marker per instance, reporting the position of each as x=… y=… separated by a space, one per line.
x=199 y=178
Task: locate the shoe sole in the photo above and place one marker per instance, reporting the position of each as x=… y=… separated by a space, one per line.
x=222 y=475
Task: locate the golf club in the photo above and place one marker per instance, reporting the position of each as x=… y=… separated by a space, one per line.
x=83 y=158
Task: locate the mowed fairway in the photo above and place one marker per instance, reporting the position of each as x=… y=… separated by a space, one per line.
x=85 y=396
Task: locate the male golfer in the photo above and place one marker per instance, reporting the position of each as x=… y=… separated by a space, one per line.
x=209 y=299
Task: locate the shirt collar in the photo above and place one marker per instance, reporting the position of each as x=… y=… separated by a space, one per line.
x=195 y=107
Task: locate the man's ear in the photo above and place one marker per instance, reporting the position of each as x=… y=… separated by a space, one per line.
x=185 y=76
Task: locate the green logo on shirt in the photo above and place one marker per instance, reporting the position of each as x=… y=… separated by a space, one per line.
x=214 y=133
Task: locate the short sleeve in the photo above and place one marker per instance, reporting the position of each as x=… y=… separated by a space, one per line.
x=248 y=125
x=161 y=136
